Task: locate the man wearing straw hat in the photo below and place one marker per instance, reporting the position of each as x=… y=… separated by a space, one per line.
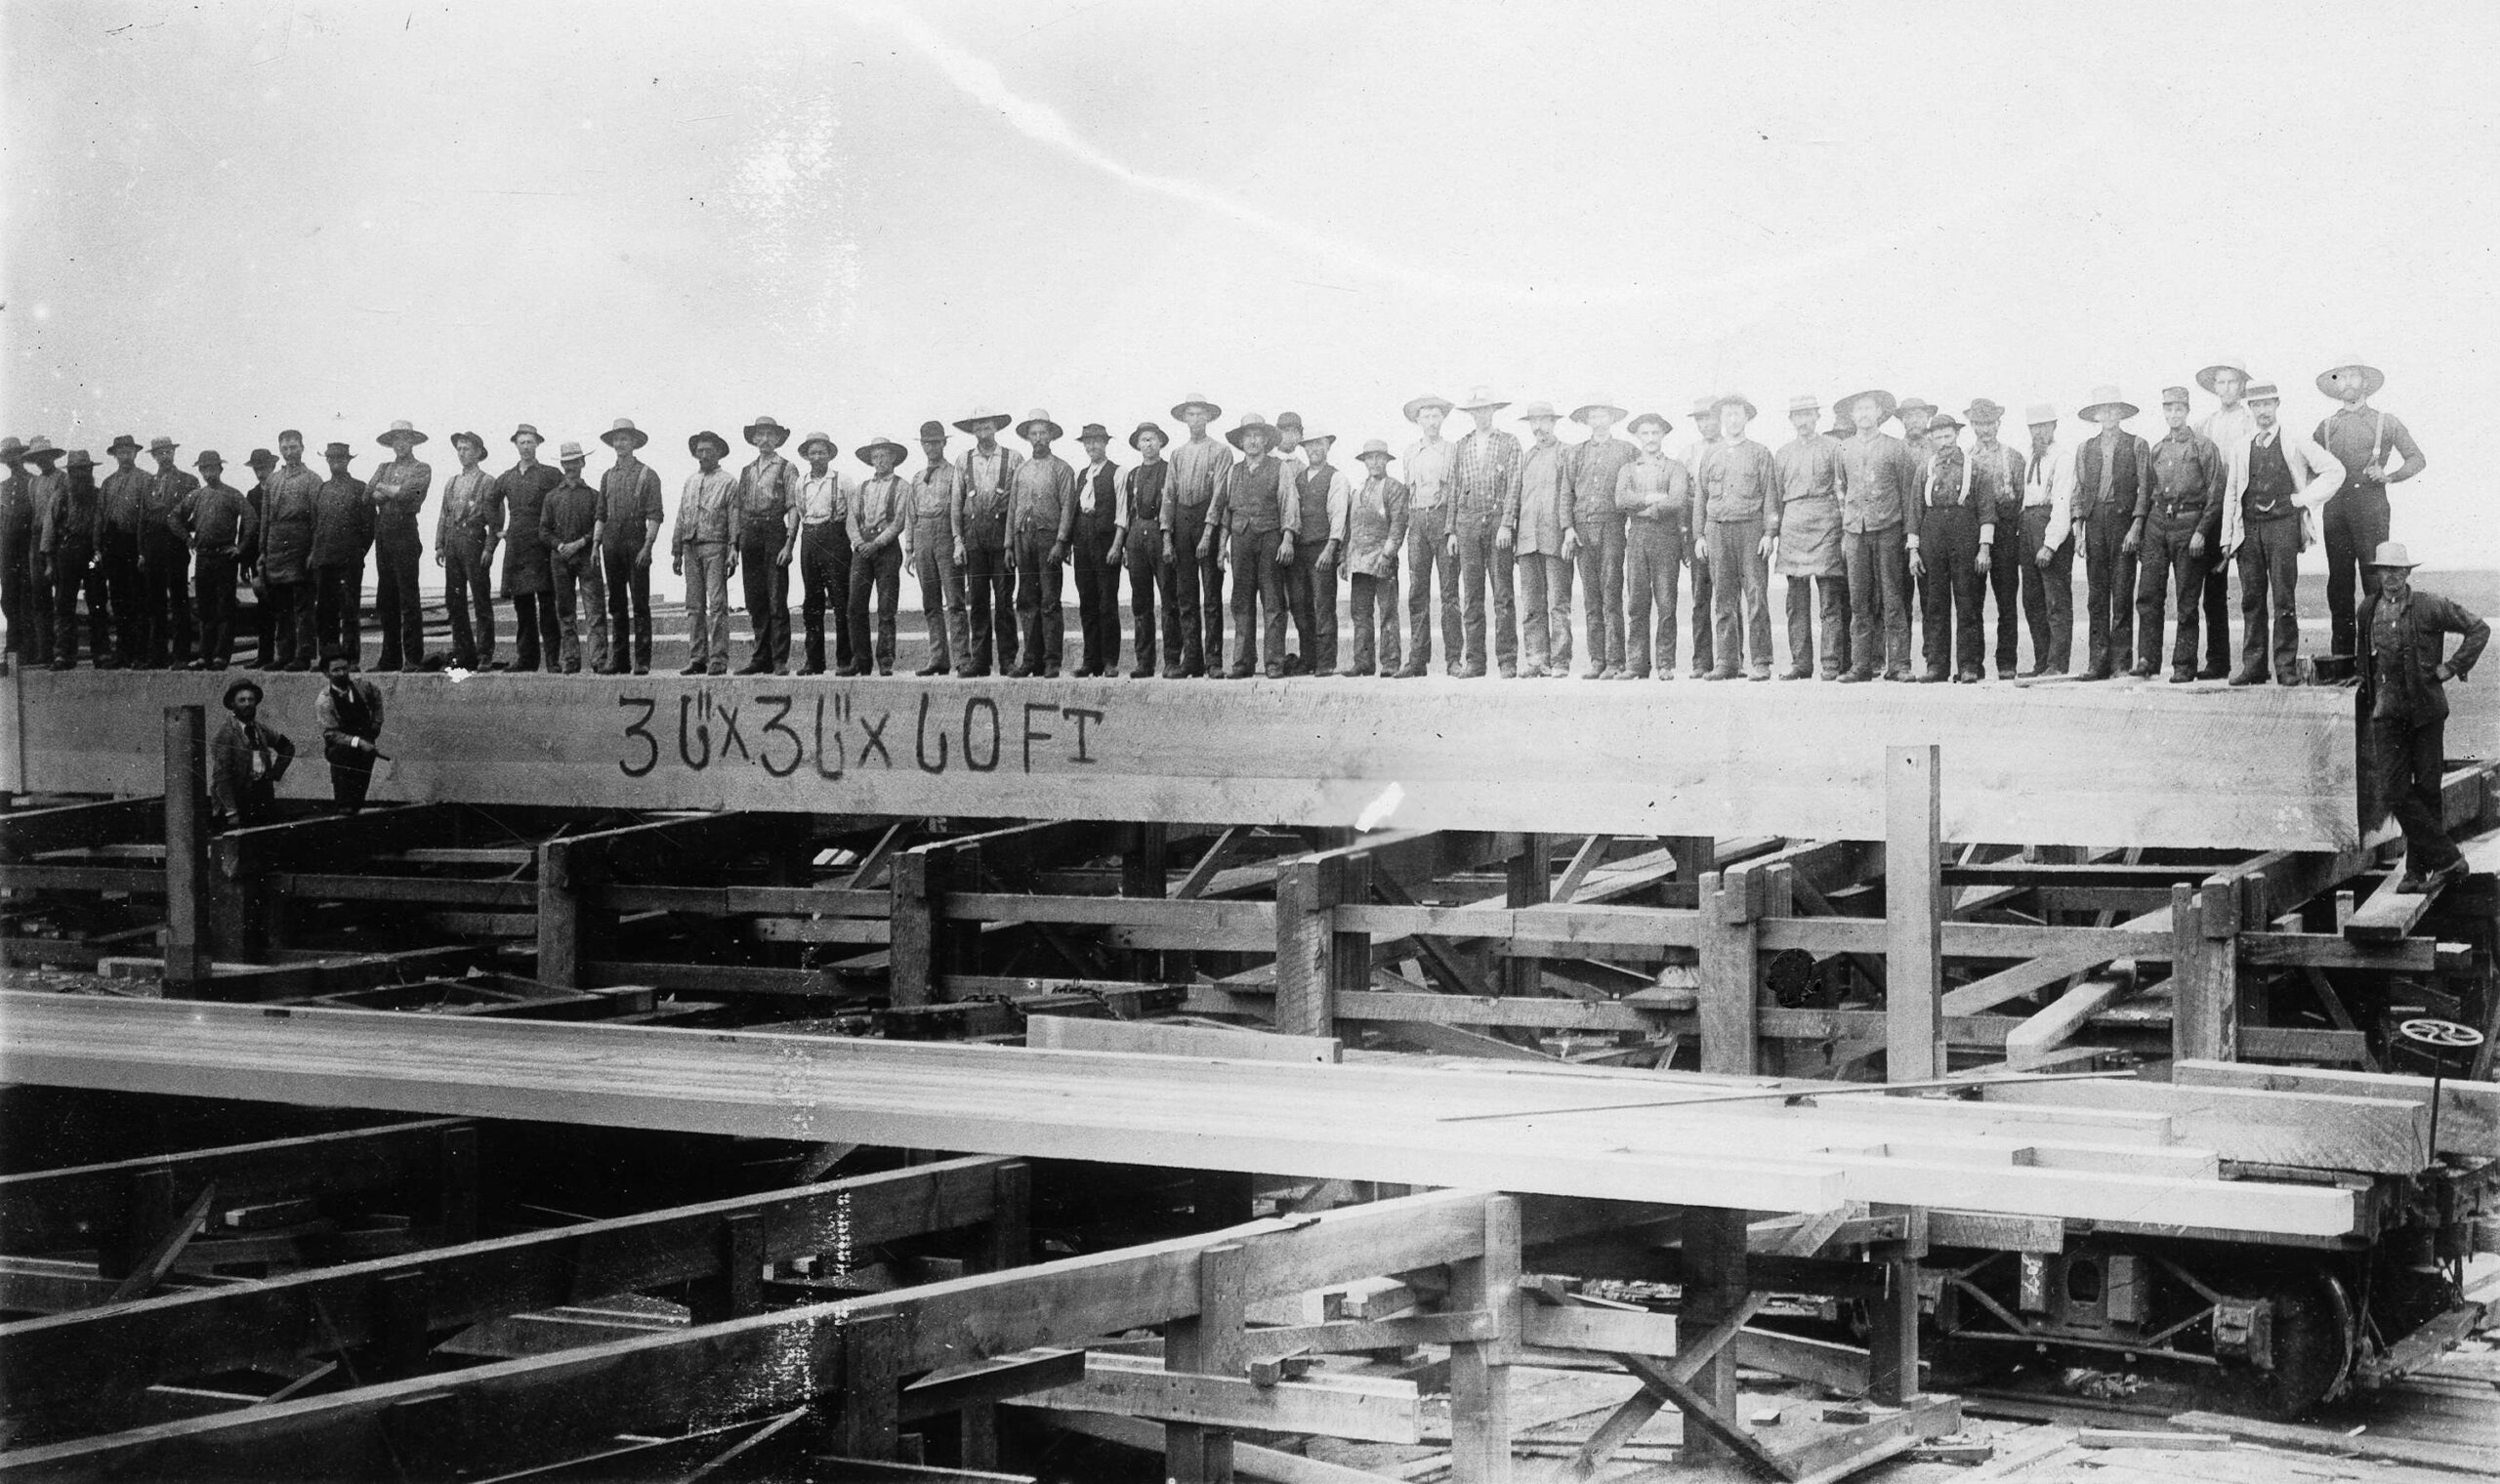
x=1151 y=594
x=880 y=509
x=1258 y=510
x=1539 y=532
x=2044 y=536
x=465 y=535
x=985 y=477
x=1094 y=541
x=933 y=532
x=1485 y=469
x=568 y=528
x=1705 y=438
x=1655 y=493
x=2405 y=706
x=2178 y=527
x=165 y=559
x=2282 y=480
x=765 y=525
x=1996 y=485
x=2229 y=428
x=1738 y=495
x=1430 y=549
x=529 y=579
x=630 y=520
x=1596 y=463
x=1808 y=551
x=701 y=551
x=2113 y=473
x=1325 y=501
x=399 y=490
x=1878 y=498
x=824 y=556
x=1949 y=551
x=1375 y=535
x=1199 y=467
x=1041 y=516
x=2360 y=437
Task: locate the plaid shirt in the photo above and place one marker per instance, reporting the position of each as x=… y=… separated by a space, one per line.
x=1485 y=475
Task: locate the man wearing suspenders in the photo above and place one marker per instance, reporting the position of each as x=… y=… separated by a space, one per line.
x=2360 y=437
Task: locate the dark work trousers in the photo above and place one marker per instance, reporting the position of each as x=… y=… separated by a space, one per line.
x=397 y=604
x=1806 y=595
x=1151 y=597
x=2405 y=760
x=629 y=607
x=1740 y=598
x=2357 y=522
x=469 y=599
x=2270 y=553
x=1652 y=569
x=1949 y=544
x=73 y=568
x=2217 y=611
x=2006 y=560
x=214 y=585
x=1481 y=566
x=117 y=567
x=536 y=629
x=1311 y=591
x=1097 y=592
x=1185 y=650
x=1879 y=601
x=942 y=595
x=292 y=608
x=576 y=588
x=1258 y=603
x=27 y=610
x=1601 y=564
x=2047 y=592
x=351 y=774
x=989 y=590
x=2108 y=593
x=874 y=574
x=1541 y=581
x=825 y=582
x=338 y=616
x=265 y=622
x=1704 y=609
x=1211 y=601
x=1429 y=557
x=165 y=598
x=1372 y=602
x=767 y=595
x=1038 y=601
x=2165 y=570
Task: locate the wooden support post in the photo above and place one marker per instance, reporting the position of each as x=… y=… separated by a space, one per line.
x=736 y=1290
x=1213 y=1342
x=1693 y=855
x=1008 y=1232
x=186 y=850
x=920 y=885
x=1731 y=973
x=1527 y=884
x=1914 y=915
x=401 y=1304
x=1480 y=1371
x=2204 y=972
x=872 y=1355
x=1315 y=961
x=234 y=888
x=148 y=1210
x=1892 y=1343
x=1145 y=871
x=560 y=915
x=1715 y=1285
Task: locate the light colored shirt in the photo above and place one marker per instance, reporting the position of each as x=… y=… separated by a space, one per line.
x=1198 y=468
x=1428 y=465
x=703 y=509
x=823 y=499
x=876 y=509
x=1541 y=511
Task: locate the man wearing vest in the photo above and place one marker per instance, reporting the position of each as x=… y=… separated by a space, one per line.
x=568 y=528
x=990 y=571
x=349 y=714
x=2229 y=428
x=1654 y=494
x=1429 y=552
x=2405 y=703
x=1200 y=468
x=399 y=491
x=767 y=527
x=1539 y=531
x=1950 y=554
x=1484 y=481
x=1878 y=496
x=1258 y=510
x=1809 y=549
x=1094 y=551
x=2360 y=437
x=2281 y=482
x=2048 y=545
x=1375 y=534
x=935 y=530
x=1150 y=577
x=2178 y=525
x=1310 y=584
x=1041 y=516
x=464 y=546
x=1705 y=420
x=1996 y=485
x=631 y=516
x=702 y=552
x=823 y=509
x=879 y=509
x=1596 y=465
x=2112 y=477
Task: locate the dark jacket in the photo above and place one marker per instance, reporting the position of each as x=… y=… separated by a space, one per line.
x=2417 y=694
x=2127 y=491
x=244 y=766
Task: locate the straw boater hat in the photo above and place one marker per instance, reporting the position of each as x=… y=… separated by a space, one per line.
x=764 y=427
x=1374 y=448
x=2392 y=553
x=1482 y=399
x=122 y=440
x=1738 y=399
x=400 y=431
x=984 y=419
x=163 y=444
x=1181 y=408
x=872 y=445
x=2107 y=397
x=1250 y=423
x=1540 y=409
x=1416 y=408
x=2038 y=413
x=811 y=440
x=2238 y=363
x=1038 y=417
x=623 y=428
x=1649 y=419
x=1598 y=403
x=1142 y=428
x=568 y=453
x=694 y=444
x=1883 y=399
x=1805 y=402
x=2264 y=392
x=2372 y=378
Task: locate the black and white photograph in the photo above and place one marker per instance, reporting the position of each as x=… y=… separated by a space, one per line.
x=1117 y=741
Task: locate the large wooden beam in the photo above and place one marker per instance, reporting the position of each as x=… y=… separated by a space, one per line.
x=2261 y=767
x=1913 y=914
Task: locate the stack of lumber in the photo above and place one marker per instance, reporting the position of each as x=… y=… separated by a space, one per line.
x=2103 y=1151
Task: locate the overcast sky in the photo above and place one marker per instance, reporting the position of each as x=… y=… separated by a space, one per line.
x=225 y=219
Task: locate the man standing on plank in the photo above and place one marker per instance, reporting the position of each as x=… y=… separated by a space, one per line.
x=2112 y=477
x=1310 y=584
x=1094 y=550
x=767 y=532
x=1200 y=468
x=631 y=517
x=1950 y=554
x=2283 y=479
x=399 y=491
x=987 y=472
x=2406 y=703
x=2361 y=437
x=1809 y=549
x=2047 y=543
x=1597 y=463
x=1375 y=535
x=530 y=580
x=1484 y=480
x=879 y=508
x=1151 y=591
x=1737 y=496
x=1258 y=510
x=465 y=535
x=1041 y=518
x=1655 y=493
x=936 y=536
x=823 y=509
x=2178 y=525
x=1878 y=498
x=702 y=552
x=1429 y=552
x=1997 y=486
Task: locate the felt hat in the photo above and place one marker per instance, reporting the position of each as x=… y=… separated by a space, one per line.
x=873 y=444
x=2372 y=378
x=401 y=431
x=568 y=453
x=1250 y=423
x=1649 y=419
x=2205 y=378
x=337 y=451
x=163 y=444
x=1600 y=403
x=2264 y=392
x=1947 y=420
x=694 y=444
x=1093 y=431
x=2392 y=553
x=79 y=458
x=262 y=458
x=1910 y=404
x=1285 y=419
x=933 y=430
x=1539 y=409
x=1181 y=408
x=2038 y=413
x=1481 y=399
x=1142 y=428
x=984 y=419
x=766 y=427
x=241 y=685
x=41 y=450
x=1883 y=399
x=209 y=456
x=623 y=428
x=1735 y=399
x=528 y=429
x=1983 y=410
x=813 y=439
x=122 y=440
x=2106 y=395
x=2177 y=395
x=11 y=449
x=1704 y=405
x=1038 y=417
x=1416 y=408
x=1842 y=427
x=468 y=438
x=1374 y=448
x=1805 y=401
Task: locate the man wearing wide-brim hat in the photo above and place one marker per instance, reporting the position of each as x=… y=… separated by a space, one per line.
x=1704 y=414
x=63 y=502
x=466 y=532
x=2043 y=534
x=825 y=495
x=2177 y=536
x=1326 y=497
x=2229 y=428
x=2405 y=706
x=529 y=577
x=1996 y=481
x=933 y=538
x=1539 y=531
x=1153 y=597
x=21 y=604
x=2360 y=437
x=1191 y=539
x=984 y=479
x=290 y=523
x=569 y=525
x=1596 y=462
x=1375 y=536
x=2284 y=478
x=165 y=559
x=1258 y=510
x=1095 y=547
x=2112 y=472
x=700 y=552
x=765 y=530
x=1809 y=556
x=1737 y=500
x=880 y=514
x=1485 y=471
x=342 y=539
x=1432 y=550
x=398 y=489
x=1655 y=493
x=1879 y=488
x=1041 y=518
x=629 y=522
